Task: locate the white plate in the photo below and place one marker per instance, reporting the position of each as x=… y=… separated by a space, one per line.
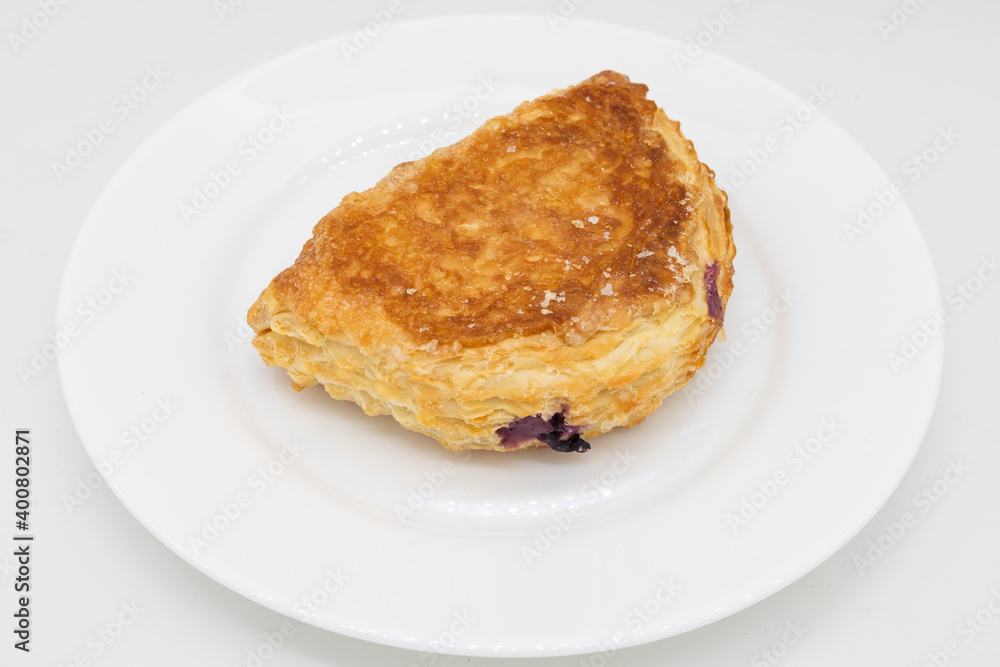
x=372 y=531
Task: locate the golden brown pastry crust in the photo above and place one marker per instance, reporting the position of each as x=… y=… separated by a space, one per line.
x=563 y=256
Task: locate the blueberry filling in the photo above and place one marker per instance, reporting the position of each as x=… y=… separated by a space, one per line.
x=712 y=295
x=554 y=432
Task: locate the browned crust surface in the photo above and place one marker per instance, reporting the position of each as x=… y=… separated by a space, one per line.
x=557 y=217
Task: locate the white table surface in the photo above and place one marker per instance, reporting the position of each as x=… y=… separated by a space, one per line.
x=933 y=597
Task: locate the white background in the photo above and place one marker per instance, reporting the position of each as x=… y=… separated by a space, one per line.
x=893 y=91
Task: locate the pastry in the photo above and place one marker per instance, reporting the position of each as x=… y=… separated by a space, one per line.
x=546 y=279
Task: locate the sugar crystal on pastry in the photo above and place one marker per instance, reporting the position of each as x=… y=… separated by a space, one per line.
x=498 y=299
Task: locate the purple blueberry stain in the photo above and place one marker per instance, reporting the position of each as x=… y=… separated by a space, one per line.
x=554 y=432
x=712 y=289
